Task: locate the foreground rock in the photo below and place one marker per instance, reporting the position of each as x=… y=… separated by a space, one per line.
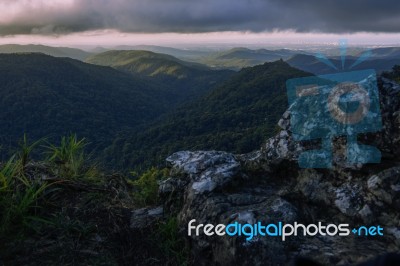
x=267 y=186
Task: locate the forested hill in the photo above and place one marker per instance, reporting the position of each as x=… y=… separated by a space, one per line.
x=47 y=96
x=188 y=80
x=236 y=116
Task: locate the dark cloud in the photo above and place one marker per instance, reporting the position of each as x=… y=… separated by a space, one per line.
x=200 y=16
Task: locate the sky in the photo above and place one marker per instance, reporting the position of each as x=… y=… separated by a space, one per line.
x=199 y=22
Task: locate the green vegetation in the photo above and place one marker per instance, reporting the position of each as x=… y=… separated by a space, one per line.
x=236 y=116
x=147 y=185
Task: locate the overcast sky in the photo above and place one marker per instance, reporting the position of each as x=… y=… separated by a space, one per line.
x=113 y=21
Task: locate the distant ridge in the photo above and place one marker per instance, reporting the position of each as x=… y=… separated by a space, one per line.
x=237 y=58
x=186 y=79
x=146 y=63
x=49 y=50
x=311 y=64
x=184 y=54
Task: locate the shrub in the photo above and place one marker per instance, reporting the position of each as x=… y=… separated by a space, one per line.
x=147 y=185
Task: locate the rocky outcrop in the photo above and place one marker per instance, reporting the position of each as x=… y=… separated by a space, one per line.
x=267 y=186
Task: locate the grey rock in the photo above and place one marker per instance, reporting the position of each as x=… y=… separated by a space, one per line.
x=207 y=170
x=385 y=185
x=366 y=214
x=145 y=217
x=349 y=199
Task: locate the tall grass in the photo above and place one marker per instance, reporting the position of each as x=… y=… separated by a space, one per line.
x=18 y=197
x=68 y=157
x=20 y=190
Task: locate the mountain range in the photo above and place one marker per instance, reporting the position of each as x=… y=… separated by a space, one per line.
x=136 y=107
x=234 y=58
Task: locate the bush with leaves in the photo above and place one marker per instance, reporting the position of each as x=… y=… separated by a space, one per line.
x=147 y=185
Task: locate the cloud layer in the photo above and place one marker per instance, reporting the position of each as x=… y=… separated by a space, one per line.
x=66 y=16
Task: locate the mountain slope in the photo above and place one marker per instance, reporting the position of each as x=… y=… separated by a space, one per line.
x=386 y=52
x=146 y=63
x=237 y=58
x=183 y=54
x=47 y=96
x=312 y=64
x=235 y=116
x=185 y=79
x=53 y=51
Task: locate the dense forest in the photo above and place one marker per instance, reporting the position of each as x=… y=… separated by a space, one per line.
x=236 y=116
